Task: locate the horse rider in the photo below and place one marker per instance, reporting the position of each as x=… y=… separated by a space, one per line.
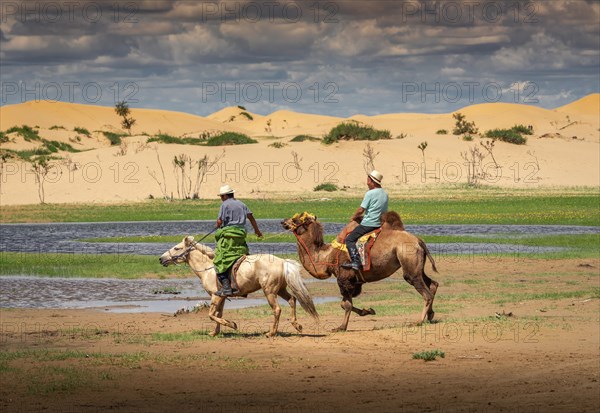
x=374 y=204
x=231 y=237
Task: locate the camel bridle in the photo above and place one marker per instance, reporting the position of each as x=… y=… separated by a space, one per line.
x=304 y=224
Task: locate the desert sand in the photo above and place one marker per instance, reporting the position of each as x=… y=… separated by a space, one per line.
x=563 y=152
x=534 y=355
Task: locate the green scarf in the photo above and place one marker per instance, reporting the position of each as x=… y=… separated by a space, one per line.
x=231 y=245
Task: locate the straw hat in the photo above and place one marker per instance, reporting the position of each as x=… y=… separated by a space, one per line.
x=226 y=190
x=376 y=176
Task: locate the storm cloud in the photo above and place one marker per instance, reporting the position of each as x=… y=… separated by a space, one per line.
x=329 y=57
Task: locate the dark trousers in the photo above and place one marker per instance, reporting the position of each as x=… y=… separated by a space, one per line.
x=358 y=232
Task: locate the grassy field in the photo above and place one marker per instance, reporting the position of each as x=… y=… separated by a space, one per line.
x=478 y=207
x=141 y=266
x=472 y=207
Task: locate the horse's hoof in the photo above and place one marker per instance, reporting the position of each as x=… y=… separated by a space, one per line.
x=213 y=333
x=338 y=330
x=269 y=334
x=298 y=327
x=233 y=325
x=430 y=316
x=371 y=311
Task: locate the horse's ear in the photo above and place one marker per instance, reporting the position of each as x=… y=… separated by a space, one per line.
x=188 y=240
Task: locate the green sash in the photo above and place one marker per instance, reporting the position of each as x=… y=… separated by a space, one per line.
x=231 y=245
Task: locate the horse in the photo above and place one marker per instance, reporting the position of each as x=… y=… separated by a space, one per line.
x=272 y=274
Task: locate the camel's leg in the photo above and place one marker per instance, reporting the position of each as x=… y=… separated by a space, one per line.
x=419 y=284
x=272 y=299
x=219 y=314
x=216 y=304
x=283 y=293
x=433 y=286
x=362 y=311
x=350 y=289
x=347 y=306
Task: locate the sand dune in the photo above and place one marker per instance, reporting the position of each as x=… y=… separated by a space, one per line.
x=101 y=173
x=588 y=105
x=71 y=115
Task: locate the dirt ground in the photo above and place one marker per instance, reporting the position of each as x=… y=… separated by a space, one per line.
x=536 y=351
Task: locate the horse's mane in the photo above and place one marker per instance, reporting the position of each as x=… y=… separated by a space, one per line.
x=205 y=249
x=392 y=220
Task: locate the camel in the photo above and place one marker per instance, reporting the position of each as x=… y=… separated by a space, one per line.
x=394 y=249
x=273 y=274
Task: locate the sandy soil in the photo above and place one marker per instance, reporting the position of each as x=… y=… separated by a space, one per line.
x=564 y=151
x=544 y=358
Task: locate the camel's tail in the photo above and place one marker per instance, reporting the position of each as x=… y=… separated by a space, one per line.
x=428 y=254
x=291 y=270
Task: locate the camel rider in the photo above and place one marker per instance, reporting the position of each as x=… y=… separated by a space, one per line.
x=231 y=237
x=374 y=204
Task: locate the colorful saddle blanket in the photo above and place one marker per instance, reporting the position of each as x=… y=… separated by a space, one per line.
x=364 y=245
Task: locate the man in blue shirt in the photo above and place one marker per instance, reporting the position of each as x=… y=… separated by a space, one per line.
x=231 y=237
x=374 y=204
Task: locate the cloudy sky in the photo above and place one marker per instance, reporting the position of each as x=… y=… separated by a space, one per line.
x=330 y=57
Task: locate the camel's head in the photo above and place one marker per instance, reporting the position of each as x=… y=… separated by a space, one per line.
x=298 y=221
x=180 y=252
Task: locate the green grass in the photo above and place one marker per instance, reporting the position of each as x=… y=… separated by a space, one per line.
x=513 y=135
x=515 y=297
x=267 y=237
x=230 y=138
x=114 y=138
x=182 y=336
x=47 y=148
x=223 y=139
x=247 y=115
x=83 y=131
x=475 y=208
x=327 y=187
x=86 y=265
x=355 y=132
x=168 y=139
x=429 y=355
x=302 y=138
x=27 y=132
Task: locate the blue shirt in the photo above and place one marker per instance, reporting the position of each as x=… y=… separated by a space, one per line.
x=375 y=203
x=233 y=213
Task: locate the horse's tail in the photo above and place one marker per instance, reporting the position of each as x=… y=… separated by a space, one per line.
x=291 y=271
x=428 y=254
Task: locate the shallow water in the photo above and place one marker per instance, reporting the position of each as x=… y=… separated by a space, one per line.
x=62 y=237
x=138 y=295
x=114 y=295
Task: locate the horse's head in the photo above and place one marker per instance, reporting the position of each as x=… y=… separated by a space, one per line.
x=180 y=253
x=299 y=222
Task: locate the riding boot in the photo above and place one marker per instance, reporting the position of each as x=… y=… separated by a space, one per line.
x=355 y=264
x=225 y=290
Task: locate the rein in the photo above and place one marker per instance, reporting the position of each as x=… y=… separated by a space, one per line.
x=328 y=264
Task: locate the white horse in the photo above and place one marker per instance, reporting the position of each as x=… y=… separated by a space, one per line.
x=273 y=274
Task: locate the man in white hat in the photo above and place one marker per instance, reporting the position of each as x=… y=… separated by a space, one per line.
x=374 y=204
x=231 y=237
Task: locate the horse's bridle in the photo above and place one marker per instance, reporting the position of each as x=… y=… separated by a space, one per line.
x=185 y=254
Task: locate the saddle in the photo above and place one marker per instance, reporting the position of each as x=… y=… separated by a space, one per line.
x=364 y=245
x=233 y=276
